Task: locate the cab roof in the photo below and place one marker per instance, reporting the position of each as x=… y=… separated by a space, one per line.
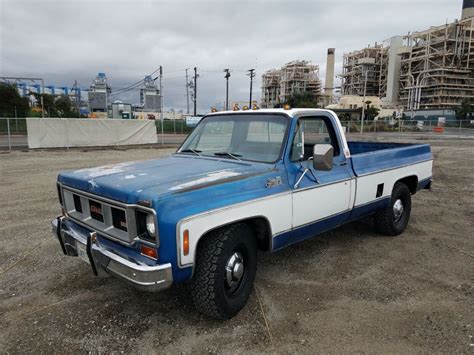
x=290 y=113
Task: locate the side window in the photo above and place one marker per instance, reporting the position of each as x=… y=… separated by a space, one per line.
x=311 y=131
x=266 y=131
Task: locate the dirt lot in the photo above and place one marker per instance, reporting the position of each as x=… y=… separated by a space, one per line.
x=348 y=290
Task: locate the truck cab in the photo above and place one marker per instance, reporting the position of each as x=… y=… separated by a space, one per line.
x=241 y=181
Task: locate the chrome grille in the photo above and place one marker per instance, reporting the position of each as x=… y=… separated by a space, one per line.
x=101 y=215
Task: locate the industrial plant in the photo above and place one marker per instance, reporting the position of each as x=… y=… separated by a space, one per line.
x=430 y=70
x=425 y=70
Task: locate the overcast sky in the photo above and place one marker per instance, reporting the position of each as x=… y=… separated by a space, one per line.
x=66 y=40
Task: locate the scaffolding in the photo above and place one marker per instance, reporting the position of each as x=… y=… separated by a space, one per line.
x=357 y=64
x=383 y=71
x=271 y=88
x=298 y=77
x=437 y=66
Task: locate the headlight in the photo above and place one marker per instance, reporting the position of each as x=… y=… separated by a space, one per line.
x=146 y=226
x=150 y=225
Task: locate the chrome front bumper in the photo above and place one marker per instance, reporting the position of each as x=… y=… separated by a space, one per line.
x=103 y=261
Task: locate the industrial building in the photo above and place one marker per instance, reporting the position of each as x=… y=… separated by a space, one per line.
x=271 y=88
x=150 y=98
x=296 y=77
x=361 y=71
x=425 y=70
x=98 y=94
x=437 y=66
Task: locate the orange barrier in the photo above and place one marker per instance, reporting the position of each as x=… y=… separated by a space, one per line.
x=438 y=129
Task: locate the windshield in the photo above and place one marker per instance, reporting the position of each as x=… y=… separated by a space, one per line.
x=255 y=137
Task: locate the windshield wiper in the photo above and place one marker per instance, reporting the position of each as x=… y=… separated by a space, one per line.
x=195 y=151
x=228 y=154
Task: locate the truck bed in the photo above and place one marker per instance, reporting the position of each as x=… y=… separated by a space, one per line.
x=371 y=157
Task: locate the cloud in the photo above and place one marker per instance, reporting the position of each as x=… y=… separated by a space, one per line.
x=63 y=41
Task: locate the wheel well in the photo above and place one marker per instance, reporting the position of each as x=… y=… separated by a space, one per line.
x=411 y=182
x=259 y=225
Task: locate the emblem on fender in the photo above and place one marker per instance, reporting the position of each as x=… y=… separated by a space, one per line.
x=273 y=182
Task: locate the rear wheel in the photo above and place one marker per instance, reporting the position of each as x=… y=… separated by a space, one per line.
x=393 y=219
x=225 y=271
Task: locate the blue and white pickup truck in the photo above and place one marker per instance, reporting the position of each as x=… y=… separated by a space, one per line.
x=241 y=182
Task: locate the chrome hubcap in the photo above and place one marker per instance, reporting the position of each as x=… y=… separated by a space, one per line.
x=234 y=270
x=397 y=210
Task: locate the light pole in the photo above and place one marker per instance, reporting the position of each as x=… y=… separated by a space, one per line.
x=227 y=76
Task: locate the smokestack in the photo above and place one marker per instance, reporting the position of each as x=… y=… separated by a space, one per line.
x=393 y=70
x=329 y=84
x=467 y=9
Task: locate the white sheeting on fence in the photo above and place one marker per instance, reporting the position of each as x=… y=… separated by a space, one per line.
x=74 y=132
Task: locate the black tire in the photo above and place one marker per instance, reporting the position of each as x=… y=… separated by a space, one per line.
x=388 y=221
x=211 y=291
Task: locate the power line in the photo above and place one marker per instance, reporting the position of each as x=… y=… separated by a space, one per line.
x=134 y=85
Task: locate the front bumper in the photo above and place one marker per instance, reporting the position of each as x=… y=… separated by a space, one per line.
x=105 y=261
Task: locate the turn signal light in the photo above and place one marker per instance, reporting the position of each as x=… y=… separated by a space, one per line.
x=186 y=242
x=150 y=252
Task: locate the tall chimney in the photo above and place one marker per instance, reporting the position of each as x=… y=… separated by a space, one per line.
x=329 y=84
x=467 y=9
x=393 y=70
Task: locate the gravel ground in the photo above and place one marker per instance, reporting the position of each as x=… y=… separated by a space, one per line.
x=348 y=290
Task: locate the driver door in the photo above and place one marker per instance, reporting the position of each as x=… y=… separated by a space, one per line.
x=320 y=196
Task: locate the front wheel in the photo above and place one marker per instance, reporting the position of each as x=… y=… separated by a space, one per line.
x=393 y=219
x=225 y=271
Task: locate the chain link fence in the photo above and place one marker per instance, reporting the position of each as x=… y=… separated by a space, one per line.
x=14 y=135
x=458 y=128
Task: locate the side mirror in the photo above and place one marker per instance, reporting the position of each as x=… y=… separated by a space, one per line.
x=323 y=155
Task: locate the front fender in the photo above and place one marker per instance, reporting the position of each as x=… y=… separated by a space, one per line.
x=275 y=209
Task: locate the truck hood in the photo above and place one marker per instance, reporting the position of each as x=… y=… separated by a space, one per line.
x=148 y=179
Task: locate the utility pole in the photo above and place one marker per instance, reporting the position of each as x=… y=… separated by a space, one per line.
x=251 y=74
x=195 y=89
x=187 y=92
x=161 y=107
x=227 y=76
